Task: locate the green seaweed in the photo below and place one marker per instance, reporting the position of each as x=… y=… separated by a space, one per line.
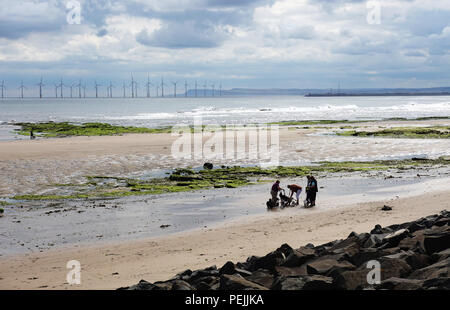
x=65 y=129
x=183 y=180
x=434 y=132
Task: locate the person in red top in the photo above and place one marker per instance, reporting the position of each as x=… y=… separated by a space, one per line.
x=297 y=189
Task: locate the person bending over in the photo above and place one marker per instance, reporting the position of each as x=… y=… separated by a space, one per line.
x=297 y=189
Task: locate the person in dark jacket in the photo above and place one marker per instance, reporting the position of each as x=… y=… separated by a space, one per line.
x=311 y=191
x=275 y=189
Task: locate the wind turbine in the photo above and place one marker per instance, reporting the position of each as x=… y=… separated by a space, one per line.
x=220 y=89
x=79 y=89
x=40 y=84
x=84 y=90
x=148 y=86
x=157 y=90
x=61 y=85
x=204 y=89
x=162 y=87
x=109 y=89
x=175 y=89
x=124 y=86
x=3 y=87
x=132 y=86
x=185 y=88
x=21 y=87
x=136 y=89
x=71 y=88
x=195 y=89
x=56 y=90
x=96 y=88
x=212 y=87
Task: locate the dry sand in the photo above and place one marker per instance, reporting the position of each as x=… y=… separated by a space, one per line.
x=121 y=264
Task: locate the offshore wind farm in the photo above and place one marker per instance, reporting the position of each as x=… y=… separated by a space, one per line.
x=98 y=90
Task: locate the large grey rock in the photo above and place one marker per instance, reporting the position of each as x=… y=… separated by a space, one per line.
x=275 y=258
x=291 y=271
x=237 y=282
x=437 y=270
x=141 y=286
x=414 y=260
x=323 y=266
x=394 y=238
x=262 y=277
x=442 y=283
x=441 y=255
x=400 y=284
x=436 y=241
x=181 y=285
x=315 y=282
x=299 y=257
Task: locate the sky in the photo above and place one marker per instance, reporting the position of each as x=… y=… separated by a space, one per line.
x=238 y=43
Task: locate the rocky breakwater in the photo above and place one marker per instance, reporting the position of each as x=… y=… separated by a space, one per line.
x=408 y=256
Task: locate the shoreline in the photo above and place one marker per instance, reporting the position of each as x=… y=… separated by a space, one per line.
x=118 y=264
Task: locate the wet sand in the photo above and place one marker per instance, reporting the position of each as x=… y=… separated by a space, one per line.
x=30 y=167
x=113 y=265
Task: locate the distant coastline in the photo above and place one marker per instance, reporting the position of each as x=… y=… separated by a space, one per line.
x=376 y=94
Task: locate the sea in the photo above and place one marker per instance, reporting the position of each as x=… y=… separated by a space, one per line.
x=156 y=112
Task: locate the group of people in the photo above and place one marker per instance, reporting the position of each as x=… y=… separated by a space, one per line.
x=311 y=191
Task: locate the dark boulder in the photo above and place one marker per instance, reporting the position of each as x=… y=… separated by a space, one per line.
x=262 y=277
x=323 y=266
x=365 y=255
x=315 y=282
x=414 y=260
x=291 y=271
x=377 y=230
x=374 y=240
x=275 y=258
x=436 y=257
x=437 y=270
x=400 y=284
x=210 y=271
x=436 y=241
x=299 y=257
x=208 y=166
x=181 y=285
x=442 y=283
x=394 y=238
x=141 y=286
x=237 y=282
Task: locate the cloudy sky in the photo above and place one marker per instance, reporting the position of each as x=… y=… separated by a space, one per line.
x=240 y=43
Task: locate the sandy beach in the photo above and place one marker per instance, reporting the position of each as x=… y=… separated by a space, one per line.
x=32 y=166
x=122 y=264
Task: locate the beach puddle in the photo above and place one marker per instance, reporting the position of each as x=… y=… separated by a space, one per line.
x=39 y=226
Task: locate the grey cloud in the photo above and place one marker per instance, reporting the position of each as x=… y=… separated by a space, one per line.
x=415 y=54
x=183 y=35
x=191 y=28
